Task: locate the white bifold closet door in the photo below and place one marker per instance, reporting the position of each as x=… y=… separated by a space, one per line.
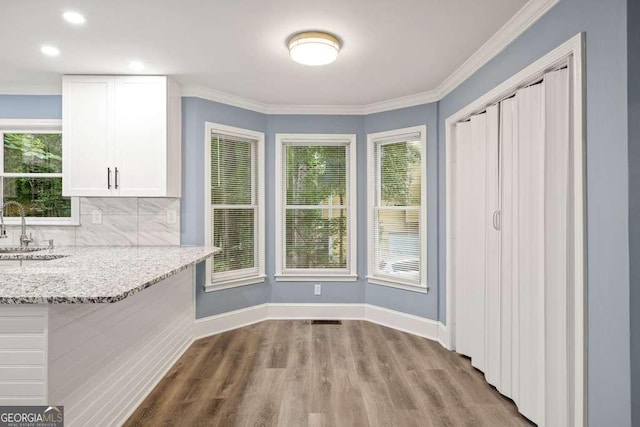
x=513 y=247
x=559 y=250
x=492 y=313
x=470 y=165
x=530 y=255
x=508 y=247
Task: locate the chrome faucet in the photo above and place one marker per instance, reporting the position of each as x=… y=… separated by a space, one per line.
x=24 y=239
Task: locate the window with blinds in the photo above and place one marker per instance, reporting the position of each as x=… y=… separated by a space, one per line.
x=235 y=205
x=316 y=209
x=397 y=207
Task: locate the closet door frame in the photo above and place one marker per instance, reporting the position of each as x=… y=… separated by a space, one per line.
x=572 y=54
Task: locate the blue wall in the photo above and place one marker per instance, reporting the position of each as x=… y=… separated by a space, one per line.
x=605 y=24
x=195 y=112
x=30 y=107
x=419 y=304
x=633 y=67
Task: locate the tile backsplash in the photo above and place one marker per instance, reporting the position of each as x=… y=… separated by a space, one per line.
x=118 y=222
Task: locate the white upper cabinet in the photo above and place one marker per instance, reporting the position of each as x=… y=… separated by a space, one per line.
x=121 y=136
x=87 y=137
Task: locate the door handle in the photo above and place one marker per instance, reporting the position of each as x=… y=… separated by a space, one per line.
x=496 y=219
x=116 y=178
x=109 y=178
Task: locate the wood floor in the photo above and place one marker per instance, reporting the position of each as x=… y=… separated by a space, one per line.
x=293 y=373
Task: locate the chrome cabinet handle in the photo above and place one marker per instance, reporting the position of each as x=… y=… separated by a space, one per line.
x=109 y=178
x=116 y=178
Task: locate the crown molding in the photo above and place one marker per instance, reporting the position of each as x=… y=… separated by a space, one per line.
x=224 y=98
x=519 y=23
x=402 y=102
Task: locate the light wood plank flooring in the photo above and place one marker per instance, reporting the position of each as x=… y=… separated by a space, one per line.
x=293 y=373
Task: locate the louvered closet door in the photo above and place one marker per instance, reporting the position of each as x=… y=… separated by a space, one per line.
x=470 y=245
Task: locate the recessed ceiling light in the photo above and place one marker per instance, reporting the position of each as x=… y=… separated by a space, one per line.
x=50 y=50
x=73 y=18
x=136 y=65
x=313 y=48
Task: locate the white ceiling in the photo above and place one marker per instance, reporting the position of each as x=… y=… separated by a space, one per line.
x=392 y=48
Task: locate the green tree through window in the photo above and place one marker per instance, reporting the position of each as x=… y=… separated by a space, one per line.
x=316 y=217
x=27 y=155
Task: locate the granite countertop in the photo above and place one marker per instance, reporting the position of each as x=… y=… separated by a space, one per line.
x=78 y=275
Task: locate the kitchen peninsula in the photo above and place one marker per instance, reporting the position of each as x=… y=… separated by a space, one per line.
x=94 y=328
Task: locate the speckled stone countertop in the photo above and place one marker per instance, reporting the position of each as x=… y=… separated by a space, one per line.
x=76 y=275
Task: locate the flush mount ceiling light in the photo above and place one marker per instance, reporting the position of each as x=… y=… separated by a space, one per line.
x=73 y=18
x=50 y=50
x=314 y=47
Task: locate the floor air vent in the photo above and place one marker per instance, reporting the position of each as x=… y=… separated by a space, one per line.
x=326 y=322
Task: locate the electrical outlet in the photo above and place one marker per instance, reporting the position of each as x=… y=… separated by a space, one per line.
x=172 y=216
x=96 y=216
x=317 y=289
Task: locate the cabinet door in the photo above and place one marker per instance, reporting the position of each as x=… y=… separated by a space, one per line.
x=87 y=122
x=141 y=135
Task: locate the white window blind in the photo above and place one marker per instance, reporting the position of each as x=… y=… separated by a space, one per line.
x=316 y=212
x=397 y=209
x=234 y=205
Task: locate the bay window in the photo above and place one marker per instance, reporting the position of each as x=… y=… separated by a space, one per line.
x=234 y=205
x=397 y=198
x=315 y=213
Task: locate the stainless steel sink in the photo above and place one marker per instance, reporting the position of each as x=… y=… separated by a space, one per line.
x=14 y=250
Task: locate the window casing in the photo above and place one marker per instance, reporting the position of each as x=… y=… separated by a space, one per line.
x=31 y=173
x=397 y=208
x=234 y=206
x=316 y=207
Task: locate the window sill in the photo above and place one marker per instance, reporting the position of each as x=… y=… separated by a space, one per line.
x=316 y=278
x=397 y=284
x=31 y=222
x=234 y=283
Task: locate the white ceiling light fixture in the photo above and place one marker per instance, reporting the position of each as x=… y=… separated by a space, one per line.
x=314 y=47
x=73 y=17
x=136 y=65
x=50 y=50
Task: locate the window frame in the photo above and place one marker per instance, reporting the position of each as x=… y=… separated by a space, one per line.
x=35 y=126
x=348 y=274
x=383 y=138
x=248 y=276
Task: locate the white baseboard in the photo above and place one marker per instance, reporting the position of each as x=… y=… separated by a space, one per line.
x=316 y=311
x=219 y=323
x=420 y=326
x=443 y=336
x=415 y=325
